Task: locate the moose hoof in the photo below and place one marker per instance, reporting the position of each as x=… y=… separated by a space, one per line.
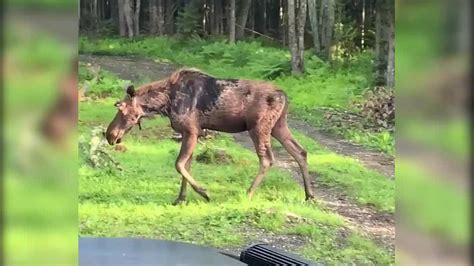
x=179 y=201
x=203 y=193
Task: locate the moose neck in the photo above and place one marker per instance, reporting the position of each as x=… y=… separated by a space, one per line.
x=155 y=102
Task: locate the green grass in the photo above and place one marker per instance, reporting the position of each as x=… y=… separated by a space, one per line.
x=321 y=86
x=137 y=203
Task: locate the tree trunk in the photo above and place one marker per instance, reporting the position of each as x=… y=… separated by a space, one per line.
x=362 y=32
x=212 y=18
x=136 y=17
x=284 y=22
x=383 y=36
x=300 y=33
x=206 y=18
x=170 y=10
x=391 y=46
x=232 y=22
x=252 y=18
x=218 y=16
x=242 y=19
x=116 y=12
x=153 y=16
x=292 y=42
x=161 y=17
x=121 y=18
x=127 y=9
x=313 y=17
x=378 y=28
x=327 y=26
x=157 y=17
x=264 y=16
x=95 y=12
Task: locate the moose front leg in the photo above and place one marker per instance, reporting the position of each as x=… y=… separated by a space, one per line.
x=182 y=192
x=188 y=144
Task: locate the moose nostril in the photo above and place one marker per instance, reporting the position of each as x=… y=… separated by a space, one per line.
x=103 y=134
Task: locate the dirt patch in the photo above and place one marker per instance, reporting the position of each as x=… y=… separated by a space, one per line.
x=135 y=69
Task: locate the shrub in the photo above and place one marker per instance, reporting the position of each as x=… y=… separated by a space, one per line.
x=96 y=153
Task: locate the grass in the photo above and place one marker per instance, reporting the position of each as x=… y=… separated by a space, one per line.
x=329 y=86
x=137 y=202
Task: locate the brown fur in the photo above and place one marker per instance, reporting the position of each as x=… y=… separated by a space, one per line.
x=195 y=101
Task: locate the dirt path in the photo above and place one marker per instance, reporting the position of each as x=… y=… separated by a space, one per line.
x=377 y=226
x=135 y=69
x=377 y=161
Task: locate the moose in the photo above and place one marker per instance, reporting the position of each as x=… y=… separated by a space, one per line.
x=194 y=101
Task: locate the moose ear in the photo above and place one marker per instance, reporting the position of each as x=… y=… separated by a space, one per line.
x=131 y=90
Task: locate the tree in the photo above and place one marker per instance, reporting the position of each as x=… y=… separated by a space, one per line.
x=242 y=19
x=121 y=18
x=296 y=35
x=300 y=33
x=157 y=17
x=327 y=19
x=283 y=22
x=313 y=17
x=136 y=17
x=292 y=41
x=189 y=20
x=219 y=28
x=232 y=21
x=127 y=9
x=384 y=43
x=391 y=47
x=170 y=16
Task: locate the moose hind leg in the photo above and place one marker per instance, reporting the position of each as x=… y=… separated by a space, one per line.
x=187 y=147
x=265 y=156
x=284 y=136
x=182 y=192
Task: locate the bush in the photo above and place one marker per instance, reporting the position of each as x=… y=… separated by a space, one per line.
x=96 y=153
x=378 y=107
